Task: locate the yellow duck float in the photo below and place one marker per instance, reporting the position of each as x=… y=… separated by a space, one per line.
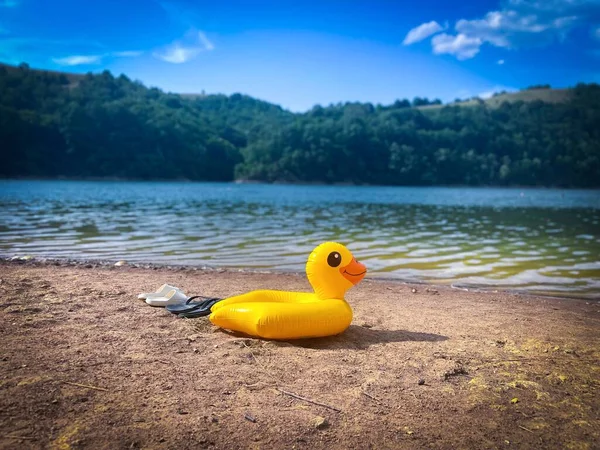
x=331 y=270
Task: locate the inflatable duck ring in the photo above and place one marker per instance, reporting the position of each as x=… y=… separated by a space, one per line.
x=331 y=270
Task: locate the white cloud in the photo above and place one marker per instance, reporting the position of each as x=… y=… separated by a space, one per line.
x=517 y=24
x=186 y=49
x=461 y=45
x=36 y=51
x=176 y=54
x=500 y=62
x=421 y=32
x=77 y=60
x=127 y=54
x=553 y=6
x=204 y=41
x=513 y=29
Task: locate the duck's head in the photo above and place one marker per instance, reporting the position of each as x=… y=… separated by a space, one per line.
x=332 y=270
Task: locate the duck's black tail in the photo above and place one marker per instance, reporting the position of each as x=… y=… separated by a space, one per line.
x=191 y=308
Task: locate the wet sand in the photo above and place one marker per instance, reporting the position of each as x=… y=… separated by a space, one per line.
x=84 y=364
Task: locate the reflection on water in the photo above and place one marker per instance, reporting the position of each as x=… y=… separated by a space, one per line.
x=546 y=241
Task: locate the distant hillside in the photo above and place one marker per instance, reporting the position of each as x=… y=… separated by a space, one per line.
x=73 y=78
x=547 y=95
x=530 y=95
x=526 y=95
x=54 y=124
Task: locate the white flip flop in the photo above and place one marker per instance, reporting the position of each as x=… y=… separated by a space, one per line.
x=161 y=292
x=174 y=296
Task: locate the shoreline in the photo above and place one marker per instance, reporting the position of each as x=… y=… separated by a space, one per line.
x=84 y=363
x=294 y=183
x=112 y=264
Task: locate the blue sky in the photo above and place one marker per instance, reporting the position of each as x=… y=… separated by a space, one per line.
x=301 y=53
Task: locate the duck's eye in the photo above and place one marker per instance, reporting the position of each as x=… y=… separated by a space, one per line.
x=334 y=259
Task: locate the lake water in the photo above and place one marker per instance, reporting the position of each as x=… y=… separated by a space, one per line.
x=538 y=240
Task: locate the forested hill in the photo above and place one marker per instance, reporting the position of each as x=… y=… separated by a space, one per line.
x=54 y=124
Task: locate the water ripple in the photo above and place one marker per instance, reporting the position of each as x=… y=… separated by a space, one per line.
x=545 y=241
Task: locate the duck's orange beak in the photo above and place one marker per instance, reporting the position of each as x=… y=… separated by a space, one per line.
x=354 y=272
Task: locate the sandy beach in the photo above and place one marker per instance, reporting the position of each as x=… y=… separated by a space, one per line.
x=85 y=364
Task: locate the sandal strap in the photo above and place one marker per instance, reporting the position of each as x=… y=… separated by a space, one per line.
x=187 y=302
x=201 y=309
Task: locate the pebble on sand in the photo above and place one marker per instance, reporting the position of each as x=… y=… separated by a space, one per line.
x=320 y=422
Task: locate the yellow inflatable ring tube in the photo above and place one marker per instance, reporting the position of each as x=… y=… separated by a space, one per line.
x=331 y=270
